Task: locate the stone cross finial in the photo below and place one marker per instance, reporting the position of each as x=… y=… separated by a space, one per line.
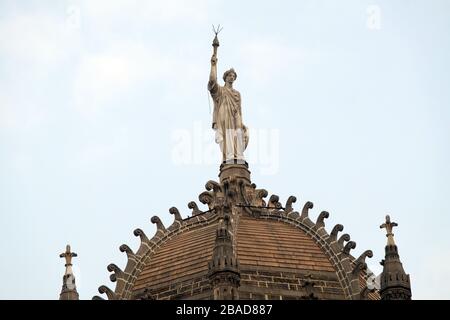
x=68 y=255
x=389 y=226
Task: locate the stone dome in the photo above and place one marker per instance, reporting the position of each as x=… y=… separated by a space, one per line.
x=242 y=246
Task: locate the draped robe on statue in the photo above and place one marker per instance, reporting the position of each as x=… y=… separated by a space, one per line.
x=231 y=134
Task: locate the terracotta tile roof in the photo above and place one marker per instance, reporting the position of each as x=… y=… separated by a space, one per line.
x=278 y=244
x=186 y=254
x=261 y=244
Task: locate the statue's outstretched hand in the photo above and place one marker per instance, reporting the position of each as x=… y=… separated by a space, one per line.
x=213 y=60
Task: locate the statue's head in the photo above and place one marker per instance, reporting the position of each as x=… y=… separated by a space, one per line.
x=231 y=73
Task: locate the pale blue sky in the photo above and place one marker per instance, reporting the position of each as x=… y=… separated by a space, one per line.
x=94 y=93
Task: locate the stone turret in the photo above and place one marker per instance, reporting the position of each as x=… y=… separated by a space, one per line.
x=223 y=269
x=69 y=289
x=395 y=284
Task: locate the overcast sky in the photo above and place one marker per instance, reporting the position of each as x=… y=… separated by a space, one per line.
x=105 y=121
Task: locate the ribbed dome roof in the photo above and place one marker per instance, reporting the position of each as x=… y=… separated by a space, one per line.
x=183 y=257
x=263 y=243
x=261 y=249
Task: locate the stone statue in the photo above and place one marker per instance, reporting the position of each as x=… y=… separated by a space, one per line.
x=231 y=134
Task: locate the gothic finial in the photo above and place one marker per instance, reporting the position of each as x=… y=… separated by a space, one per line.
x=259 y=195
x=360 y=263
x=69 y=290
x=349 y=246
x=125 y=248
x=68 y=255
x=109 y=293
x=364 y=255
x=213 y=185
x=274 y=202
x=337 y=228
x=175 y=213
x=118 y=273
x=344 y=237
x=141 y=234
x=305 y=211
x=389 y=226
x=320 y=219
x=206 y=197
x=159 y=225
x=195 y=210
x=289 y=202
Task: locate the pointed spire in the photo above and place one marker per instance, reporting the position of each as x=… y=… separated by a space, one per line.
x=395 y=284
x=69 y=289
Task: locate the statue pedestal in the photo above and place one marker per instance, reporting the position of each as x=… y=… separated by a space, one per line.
x=234 y=169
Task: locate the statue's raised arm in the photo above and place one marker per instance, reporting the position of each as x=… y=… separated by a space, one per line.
x=212 y=84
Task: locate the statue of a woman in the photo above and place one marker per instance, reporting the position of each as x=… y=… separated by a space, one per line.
x=231 y=133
